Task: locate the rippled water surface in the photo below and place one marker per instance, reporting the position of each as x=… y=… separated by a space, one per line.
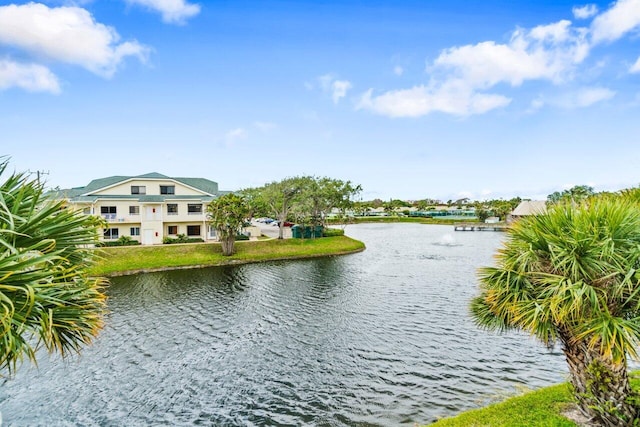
x=378 y=338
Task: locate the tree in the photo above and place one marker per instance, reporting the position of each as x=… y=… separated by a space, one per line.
x=575 y=194
x=571 y=276
x=227 y=215
x=278 y=197
x=321 y=195
x=253 y=198
x=47 y=298
x=482 y=214
x=376 y=203
x=307 y=199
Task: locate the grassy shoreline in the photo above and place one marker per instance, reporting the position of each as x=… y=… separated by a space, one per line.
x=544 y=407
x=126 y=260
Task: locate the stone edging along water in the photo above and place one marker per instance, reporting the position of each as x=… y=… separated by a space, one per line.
x=230 y=262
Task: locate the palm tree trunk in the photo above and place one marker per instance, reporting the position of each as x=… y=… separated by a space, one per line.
x=227 y=245
x=600 y=386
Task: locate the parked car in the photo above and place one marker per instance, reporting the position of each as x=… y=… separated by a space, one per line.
x=286 y=223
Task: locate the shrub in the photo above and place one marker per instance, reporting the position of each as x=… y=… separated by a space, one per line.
x=242 y=237
x=332 y=232
x=181 y=238
x=122 y=241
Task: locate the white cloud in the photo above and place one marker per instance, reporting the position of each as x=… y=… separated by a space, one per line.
x=172 y=11
x=635 y=68
x=453 y=98
x=66 y=34
x=337 y=88
x=546 y=52
x=536 y=104
x=265 y=126
x=462 y=76
x=621 y=18
x=584 y=97
x=398 y=70
x=31 y=77
x=584 y=12
x=580 y=98
x=235 y=135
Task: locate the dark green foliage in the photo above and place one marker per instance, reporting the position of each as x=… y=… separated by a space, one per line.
x=332 y=232
x=570 y=276
x=122 y=241
x=228 y=214
x=47 y=299
x=181 y=238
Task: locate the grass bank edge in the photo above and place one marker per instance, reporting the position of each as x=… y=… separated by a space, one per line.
x=542 y=407
x=117 y=261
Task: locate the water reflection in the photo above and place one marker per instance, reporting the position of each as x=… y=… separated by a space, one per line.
x=381 y=337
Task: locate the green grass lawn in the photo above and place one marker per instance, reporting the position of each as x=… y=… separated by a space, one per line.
x=126 y=259
x=537 y=408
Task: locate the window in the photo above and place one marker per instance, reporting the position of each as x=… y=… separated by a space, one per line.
x=138 y=189
x=167 y=189
x=172 y=229
x=134 y=231
x=172 y=209
x=110 y=234
x=108 y=212
x=86 y=211
x=194 y=209
x=193 y=230
x=134 y=210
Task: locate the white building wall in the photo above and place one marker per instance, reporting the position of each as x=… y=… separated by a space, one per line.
x=153 y=219
x=152 y=188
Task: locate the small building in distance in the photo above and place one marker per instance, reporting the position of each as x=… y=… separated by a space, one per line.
x=528 y=207
x=147 y=208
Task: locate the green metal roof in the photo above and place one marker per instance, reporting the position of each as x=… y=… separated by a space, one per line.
x=76 y=194
x=202 y=184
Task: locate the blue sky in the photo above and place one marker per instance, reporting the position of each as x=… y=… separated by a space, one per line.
x=410 y=99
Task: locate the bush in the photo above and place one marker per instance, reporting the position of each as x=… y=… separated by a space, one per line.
x=332 y=232
x=181 y=238
x=122 y=241
x=242 y=237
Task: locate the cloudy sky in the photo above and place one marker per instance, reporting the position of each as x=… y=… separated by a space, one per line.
x=410 y=99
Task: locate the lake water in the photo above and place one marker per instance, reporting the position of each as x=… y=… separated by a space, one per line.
x=379 y=338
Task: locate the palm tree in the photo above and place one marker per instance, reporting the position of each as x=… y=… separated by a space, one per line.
x=47 y=298
x=227 y=214
x=571 y=276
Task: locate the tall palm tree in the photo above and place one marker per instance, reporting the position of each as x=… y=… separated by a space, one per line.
x=47 y=298
x=572 y=276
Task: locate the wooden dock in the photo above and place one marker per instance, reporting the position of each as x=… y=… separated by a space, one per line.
x=479 y=226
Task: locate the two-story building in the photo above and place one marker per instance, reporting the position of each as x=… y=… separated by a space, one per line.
x=147 y=207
